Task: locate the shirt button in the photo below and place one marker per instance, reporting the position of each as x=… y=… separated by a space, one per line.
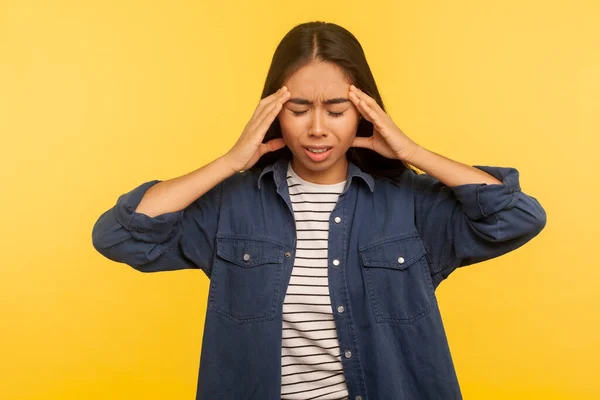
x=246 y=257
x=337 y=220
x=401 y=260
x=288 y=254
x=336 y=262
x=340 y=309
x=358 y=398
x=348 y=354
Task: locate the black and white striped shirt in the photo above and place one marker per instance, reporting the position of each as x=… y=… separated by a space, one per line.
x=310 y=354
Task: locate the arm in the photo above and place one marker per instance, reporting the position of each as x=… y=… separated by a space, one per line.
x=447 y=171
x=467 y=215
x=172 y=225
x=165 y=225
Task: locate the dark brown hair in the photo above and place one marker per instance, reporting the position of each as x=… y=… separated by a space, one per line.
x=327 y=42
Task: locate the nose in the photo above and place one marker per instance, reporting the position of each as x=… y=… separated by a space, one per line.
x=316 y=128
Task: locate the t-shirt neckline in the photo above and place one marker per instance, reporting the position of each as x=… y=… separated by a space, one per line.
x=339 y=185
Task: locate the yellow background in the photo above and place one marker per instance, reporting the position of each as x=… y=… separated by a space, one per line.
x=98 y=97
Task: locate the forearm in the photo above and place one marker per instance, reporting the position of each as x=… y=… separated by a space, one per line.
x=176 y=194
x=447 y=171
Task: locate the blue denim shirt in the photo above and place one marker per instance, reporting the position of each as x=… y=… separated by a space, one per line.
x=395 y=240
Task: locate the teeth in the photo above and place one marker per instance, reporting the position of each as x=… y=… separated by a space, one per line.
x=317 y=150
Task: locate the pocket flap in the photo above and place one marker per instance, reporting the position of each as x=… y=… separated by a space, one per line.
x=396 y=252
x=249 y=251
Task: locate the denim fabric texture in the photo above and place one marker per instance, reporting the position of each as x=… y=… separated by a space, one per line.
x=395 y=240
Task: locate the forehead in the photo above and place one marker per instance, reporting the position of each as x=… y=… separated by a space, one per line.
x=317 y=80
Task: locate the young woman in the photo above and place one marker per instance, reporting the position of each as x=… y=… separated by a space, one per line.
x=322 y=244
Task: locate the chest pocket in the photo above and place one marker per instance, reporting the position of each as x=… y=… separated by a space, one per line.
x=245 y=279
x=398 y=279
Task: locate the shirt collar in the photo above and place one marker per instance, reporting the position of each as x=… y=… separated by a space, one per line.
x=279 y=169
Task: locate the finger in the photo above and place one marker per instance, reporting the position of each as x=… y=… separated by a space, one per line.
x=264 y=103
x=269 y=114
x=355 y=100
x=366 y=98
x=272 y=145
x=267 y=108
x=364 y=142
x=363 y=108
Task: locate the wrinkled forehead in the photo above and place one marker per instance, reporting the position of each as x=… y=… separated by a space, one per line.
x=318 y=82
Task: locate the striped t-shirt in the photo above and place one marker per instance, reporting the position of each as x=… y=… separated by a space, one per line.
x=310 y=354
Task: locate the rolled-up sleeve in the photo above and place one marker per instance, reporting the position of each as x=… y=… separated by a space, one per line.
x=170 y=241
x=466 y=224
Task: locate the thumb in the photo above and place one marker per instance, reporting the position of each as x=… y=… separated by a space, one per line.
x=264 y=148
x=364 y=142
x=274 y=145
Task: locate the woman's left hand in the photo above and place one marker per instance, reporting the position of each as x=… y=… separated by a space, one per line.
x=387 y=140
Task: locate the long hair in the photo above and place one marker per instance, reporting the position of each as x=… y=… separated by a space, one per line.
x=327 y=42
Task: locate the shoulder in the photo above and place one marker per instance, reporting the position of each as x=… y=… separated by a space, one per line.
x=417 y=182
x=242 y=179
x=406 y=180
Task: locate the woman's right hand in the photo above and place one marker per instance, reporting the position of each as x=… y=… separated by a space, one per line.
x=249 y=148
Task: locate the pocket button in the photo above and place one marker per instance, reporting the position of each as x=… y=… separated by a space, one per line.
x=246 y=257
x=401 y=260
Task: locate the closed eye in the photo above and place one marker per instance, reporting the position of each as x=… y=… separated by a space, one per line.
x=333 y=114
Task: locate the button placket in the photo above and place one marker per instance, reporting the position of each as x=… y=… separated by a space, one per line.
x=336 y=262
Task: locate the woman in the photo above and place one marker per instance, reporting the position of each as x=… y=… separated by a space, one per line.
x=323 y=245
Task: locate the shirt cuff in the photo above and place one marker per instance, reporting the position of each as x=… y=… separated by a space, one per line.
x=480 y=200
x=142 y=227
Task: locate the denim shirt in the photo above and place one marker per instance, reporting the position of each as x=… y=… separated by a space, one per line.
x=391 y=242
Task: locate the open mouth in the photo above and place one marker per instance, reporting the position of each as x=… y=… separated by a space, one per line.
x=318 y=151
x=318 y=154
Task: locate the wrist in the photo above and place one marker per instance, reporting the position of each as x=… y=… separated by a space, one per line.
x=228 y=164
x=413 y=154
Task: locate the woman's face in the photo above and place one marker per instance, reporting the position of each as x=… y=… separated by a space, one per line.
x=319 y=114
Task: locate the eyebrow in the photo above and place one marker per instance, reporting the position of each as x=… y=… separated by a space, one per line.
x=301 y=101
